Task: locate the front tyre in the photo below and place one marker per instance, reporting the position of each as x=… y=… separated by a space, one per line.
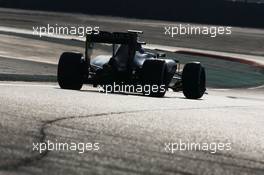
x=193 y=80
x=70 y=73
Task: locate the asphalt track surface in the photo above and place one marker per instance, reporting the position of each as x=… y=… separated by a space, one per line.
x=131 y=129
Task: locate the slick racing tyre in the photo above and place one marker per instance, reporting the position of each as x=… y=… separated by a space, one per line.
x=153 y=76
x=71 y=71
x=193 y=80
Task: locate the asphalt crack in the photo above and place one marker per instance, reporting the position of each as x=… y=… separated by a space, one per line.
x=31 y=160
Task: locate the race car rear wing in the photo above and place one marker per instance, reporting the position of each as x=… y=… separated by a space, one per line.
x=112 y=38
x=130 y=38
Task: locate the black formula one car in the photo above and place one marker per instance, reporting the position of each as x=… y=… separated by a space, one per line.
x=129 y=68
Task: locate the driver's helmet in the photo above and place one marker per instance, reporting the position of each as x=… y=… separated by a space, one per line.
x=139 y=48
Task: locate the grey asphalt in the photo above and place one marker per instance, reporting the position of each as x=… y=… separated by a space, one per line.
x=131 y=131
x=23 y=70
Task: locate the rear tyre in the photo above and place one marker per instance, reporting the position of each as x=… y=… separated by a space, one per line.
x=71 y=70
x=193 y=80
x=153 y=77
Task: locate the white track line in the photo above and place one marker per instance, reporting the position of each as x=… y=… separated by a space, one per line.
x=258 y=87
x=26 y=85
